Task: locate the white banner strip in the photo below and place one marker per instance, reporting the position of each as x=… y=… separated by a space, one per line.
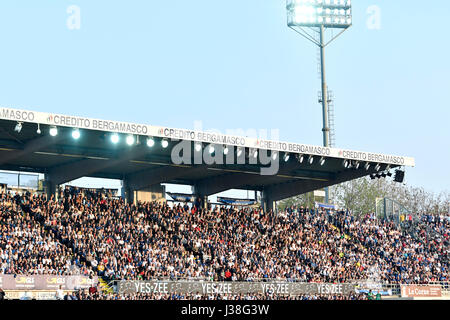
x=196 y=136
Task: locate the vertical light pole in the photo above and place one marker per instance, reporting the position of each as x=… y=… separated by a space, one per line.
x=311 y=19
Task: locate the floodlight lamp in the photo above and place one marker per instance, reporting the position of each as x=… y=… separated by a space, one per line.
x=322 y=161
x=286 y=157
x=18 y=127
x=239 y=152
x=76 y=134
x=301 y=158
x=310 y=159
x=367 y=166
x=130 y=140
x=326 y=13
x=53 y=131
x=198 y=146
x=346 y=163
x=150 y=142
x=164 y=143
x=211 y=149
x=115 y=138
x=274 y=156
x=38 y=131
x=225 y=150
x=255 y=153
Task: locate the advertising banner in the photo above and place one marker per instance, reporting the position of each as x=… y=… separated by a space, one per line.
x=46 y=282
x=413 y=291
x=208 y=288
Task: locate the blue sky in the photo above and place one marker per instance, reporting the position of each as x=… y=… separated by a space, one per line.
x=235 y=64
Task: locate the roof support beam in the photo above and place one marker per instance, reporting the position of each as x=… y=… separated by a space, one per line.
x=30 y=147
x=286 y=190
x=82 y=168
x=147 y=178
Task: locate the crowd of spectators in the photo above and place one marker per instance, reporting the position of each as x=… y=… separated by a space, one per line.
x=97 y=235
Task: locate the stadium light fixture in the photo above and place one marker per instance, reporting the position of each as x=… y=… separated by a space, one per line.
x=211 y=149
x=367 y=166
x=225 y=150
x=316 y=20
x=150 y=142
x=357 y=165
x=239 y=151
x=38 y=131
x=164 y=143
x=274 y=156
x=286 y=157
x=301 y=158
x=115 y=138
x=18 y=127
x=53 y=131
x=322 y=161
x=255 y=153
x=346 y=163
x=310 y=159
x=377 y=167
x=130 y=140
x=76 y=134
x=198 y=146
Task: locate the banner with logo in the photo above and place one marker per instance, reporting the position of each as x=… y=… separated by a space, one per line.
x=197 y=136
x=182 y=197
x=45 y=282
x=413 y=291
x=236 y=202
x=233 y=288
x=326 y=206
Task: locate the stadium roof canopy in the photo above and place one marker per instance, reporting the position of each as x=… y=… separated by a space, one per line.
x=63 y=158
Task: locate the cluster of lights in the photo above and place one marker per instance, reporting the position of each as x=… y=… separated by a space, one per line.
x=315 y=13
x=349 y=164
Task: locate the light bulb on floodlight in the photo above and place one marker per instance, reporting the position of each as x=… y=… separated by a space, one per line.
x=38 y=131
x=255 y=153
x=345 y=163
x=115 y=138
x=367 y=166
x=130 y=140
x=310 y=159
x=18 y=127
x=150 y=142
x=225 y=150
x=239 y=152
x=211 y=149
x=198 y=147
x=274 y=156
x=76 y=134
x=322 y=161
x=286 y=157
x=53 y=131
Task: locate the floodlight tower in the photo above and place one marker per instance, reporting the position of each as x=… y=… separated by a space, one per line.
x=312 y=19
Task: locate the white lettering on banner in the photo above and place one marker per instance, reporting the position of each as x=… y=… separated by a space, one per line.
x=276 y=288
x=217 y=288
x=146 y=287
x=323 y=288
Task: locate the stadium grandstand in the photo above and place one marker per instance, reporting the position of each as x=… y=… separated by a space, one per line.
x=75 y=243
